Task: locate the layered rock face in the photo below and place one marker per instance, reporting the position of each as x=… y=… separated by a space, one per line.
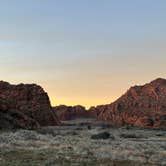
x=25 y=106
x=68 y=112
x=143 y=106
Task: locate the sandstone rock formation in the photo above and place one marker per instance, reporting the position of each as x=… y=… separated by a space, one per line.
x=143 y=106
x=68 y=112
x=25 y=106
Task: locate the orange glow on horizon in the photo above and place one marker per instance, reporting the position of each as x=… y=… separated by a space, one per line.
x=86 y=103
x=92 y=94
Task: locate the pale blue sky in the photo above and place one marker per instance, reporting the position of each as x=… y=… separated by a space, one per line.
x=82 y=51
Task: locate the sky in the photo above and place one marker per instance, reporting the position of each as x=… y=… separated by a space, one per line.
x=86 y=52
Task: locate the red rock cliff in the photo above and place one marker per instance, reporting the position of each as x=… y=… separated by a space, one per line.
x=143 y=106
x=27 y=103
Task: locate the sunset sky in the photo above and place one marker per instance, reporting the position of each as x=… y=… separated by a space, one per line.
x=86 y=52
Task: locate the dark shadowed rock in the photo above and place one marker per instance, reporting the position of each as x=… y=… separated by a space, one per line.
x=11 y=118
x=143 y=106
x=24 y=106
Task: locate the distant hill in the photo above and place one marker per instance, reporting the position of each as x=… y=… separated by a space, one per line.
x=72 y=112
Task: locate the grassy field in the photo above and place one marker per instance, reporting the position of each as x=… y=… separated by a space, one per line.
x=51 y=158
x=76 y=145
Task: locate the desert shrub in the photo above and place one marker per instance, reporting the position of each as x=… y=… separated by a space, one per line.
x=125 y=135
x=103 y=135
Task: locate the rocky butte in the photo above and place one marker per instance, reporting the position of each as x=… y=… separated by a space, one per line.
x=25 y=106
x=142 y=106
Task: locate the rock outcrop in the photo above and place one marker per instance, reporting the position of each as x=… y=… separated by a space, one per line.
x=25 y=106
x=143 y=106
x=71 y=112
